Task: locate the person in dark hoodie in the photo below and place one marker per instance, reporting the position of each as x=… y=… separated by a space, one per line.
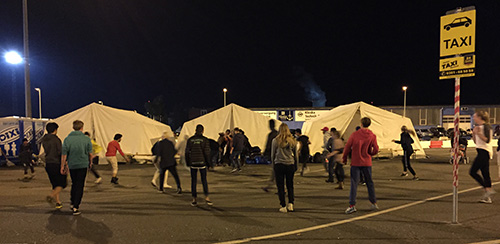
x=166 y=152
x=267 y=153
x=362 y=145
x=197 y=157
x=52 y=147
x=26 y=159
x=236 y=150
x=406 y=142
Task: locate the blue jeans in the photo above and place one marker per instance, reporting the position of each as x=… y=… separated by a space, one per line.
x=355 y=173
x=235 y=159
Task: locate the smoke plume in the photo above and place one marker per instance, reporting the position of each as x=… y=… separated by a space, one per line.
x=313 y=92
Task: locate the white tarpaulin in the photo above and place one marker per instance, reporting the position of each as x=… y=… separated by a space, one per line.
x=255 y=125
x=385 y=125
x=104 y=122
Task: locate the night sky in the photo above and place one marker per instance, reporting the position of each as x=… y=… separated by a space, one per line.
x=128 y=52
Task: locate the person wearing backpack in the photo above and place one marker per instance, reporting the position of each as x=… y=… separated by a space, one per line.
x=482 y=135
x=197 y=157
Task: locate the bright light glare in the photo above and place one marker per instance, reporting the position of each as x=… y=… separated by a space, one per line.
x=13 y=58
x=404 y=88
x=224 y=90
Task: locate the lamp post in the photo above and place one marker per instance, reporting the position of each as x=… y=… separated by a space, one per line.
x=404 y=103
x=39 y=101
x=225 y=91
x=27 y=83
x=13 y=58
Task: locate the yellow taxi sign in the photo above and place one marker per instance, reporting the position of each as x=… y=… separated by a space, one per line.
x=463 y=66
x=458 y=33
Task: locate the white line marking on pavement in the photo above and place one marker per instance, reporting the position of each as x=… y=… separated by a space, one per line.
x=345 y=221
x=487 y=242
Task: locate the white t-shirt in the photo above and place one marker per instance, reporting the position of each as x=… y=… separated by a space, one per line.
x=482 y=144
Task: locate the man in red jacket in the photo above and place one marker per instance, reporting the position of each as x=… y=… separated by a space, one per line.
x=362 y=145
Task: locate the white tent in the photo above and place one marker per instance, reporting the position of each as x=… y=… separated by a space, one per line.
x=104 y=122
x=255 y=125
x=385 y=125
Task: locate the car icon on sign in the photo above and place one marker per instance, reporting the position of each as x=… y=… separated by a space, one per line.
x=462 y=21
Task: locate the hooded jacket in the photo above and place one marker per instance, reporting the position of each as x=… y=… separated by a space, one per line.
x=52 y=147
x=362 y=145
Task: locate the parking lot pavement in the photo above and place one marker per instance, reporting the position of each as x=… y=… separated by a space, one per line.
x=410 y=211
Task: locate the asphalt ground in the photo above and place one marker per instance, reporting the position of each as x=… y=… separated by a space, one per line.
x=410 y=211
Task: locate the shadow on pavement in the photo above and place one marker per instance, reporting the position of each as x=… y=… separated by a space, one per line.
x=61 y=223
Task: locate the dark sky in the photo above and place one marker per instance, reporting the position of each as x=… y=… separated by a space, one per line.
x=128 y=52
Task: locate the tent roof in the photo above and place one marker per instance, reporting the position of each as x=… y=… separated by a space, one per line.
x=385 y=125
x=104 y=122
x=255 y=125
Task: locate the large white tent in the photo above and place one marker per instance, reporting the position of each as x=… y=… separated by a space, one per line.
x=103 y=122
x=255 y=125
x=385 y=125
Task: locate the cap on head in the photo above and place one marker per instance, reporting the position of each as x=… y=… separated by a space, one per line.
x=325 y=129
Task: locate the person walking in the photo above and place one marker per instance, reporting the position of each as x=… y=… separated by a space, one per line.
x=336 y=158
x=285 y=159
x=155 y=182
x=406 y=142
x=329 y=157
x=236 y=150
x=267 y=153
x=362 y=145
x=197 y=157
x=113 y=147
x=96 y=149
x=166 y=152
x=76 y=156
x=51 y=155
x=304 y=153
x=482 y=135
x=26 y=159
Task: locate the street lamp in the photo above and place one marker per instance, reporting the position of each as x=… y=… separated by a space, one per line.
x=404 y=103
x=39 y=101
x=13 y=57
x=225 y=91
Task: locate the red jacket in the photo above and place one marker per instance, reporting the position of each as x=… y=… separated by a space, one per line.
x=362 y=145
x=113 y=146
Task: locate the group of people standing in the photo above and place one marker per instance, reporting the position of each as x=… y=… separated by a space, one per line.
x=78 y=152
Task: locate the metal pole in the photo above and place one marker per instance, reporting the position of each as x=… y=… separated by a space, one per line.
x=404 y=106
x=225 y=91
x=27 y=85
x=456 y=123
x=40 y=102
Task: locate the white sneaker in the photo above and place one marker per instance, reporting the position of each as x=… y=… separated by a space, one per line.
x=489 y=193
x=98 y=180
x=374 y=207
x=283 y=210
x=289 y=207
x=486 y=200
x=351 y=210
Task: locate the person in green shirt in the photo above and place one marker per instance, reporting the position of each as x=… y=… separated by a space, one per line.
x=76 y=157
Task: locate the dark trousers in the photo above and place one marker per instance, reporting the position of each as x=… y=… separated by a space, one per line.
x=28 y=164
x=339 y=172
x=235 y=159
x=173 y=171
x=284 y=173
x=303 y=159
x=77 y=185
x=406 y=162
x=482 y=162
x=355 y=174
x=194 y=177
x=94 y=172
x=331 y=166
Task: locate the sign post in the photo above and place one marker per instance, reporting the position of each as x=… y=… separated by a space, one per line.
x=457 y=47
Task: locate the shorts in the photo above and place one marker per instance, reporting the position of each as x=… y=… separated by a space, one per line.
x=55 y=176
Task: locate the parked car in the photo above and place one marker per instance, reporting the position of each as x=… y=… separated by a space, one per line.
x=424 y=134
x=438 y=131
x=463 y=133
